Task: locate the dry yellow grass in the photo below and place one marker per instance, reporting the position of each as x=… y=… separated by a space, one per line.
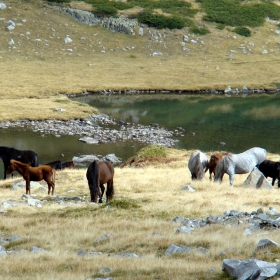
x=153 y=196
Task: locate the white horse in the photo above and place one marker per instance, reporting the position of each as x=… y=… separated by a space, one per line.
x=198 y=165
x=239 y=163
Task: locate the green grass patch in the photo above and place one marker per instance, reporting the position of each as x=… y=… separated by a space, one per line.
x=152 y=151
x=62 y=101
x=121 y=204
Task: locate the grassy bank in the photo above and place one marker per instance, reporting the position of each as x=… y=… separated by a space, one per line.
x=139 y=220
x=40 y=64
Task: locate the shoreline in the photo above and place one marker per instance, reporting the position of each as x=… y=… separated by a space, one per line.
x=228 y=91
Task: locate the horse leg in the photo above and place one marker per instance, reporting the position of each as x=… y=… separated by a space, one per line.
x=27 y=187
x=93 y=195
x=231 y=179
x=110 y=190
x=102 y=192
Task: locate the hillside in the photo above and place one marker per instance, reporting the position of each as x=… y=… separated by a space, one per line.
x=35 y=60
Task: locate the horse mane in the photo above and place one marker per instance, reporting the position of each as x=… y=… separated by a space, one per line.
x=19 y=163
x=219 y=168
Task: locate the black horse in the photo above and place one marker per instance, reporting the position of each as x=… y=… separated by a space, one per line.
x=57 y=165
x=270 y=169
x=27 y=156
x=99 y=173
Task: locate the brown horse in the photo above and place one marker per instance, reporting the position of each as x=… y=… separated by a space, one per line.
x=43 y=172
x=98 y=174
x=214 y=159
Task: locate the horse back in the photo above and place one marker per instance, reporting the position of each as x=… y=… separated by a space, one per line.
x=270 y=168
x=106 y=172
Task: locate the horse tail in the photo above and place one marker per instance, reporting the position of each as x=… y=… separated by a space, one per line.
x=53 y=174
x=93 y=180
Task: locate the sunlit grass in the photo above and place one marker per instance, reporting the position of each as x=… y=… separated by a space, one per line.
x=138 y=220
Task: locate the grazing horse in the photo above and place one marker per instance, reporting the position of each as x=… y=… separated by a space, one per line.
x=27 y=156
x=68 y=164
x=239 y=163
x=270 y=169
x=214 y=159
x=57 y=165
x=29 y=173
x=198 y=165
x=98 y=174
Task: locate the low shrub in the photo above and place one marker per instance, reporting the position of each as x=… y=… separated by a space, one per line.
x=161 y=21
x=243 y=31
x=235 y=13
x=199 y=30
x=152 y=151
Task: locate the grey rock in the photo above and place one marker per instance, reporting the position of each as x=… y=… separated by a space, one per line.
x=188 y=188
x=267 y=243
x=35 y=249
x=177 y=249
x=184 y=229
x=105 y=270
x=104 y=237
x=2 y=251
x=257 y=180
x=89 y=140
x=249 y=269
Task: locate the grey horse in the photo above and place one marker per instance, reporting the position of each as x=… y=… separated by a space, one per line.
x=198 y=165
x=239 y=163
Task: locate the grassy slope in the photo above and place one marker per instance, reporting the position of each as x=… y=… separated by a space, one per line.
x=139 y=221
x=38 y=69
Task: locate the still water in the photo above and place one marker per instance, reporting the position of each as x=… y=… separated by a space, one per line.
x=238 y=121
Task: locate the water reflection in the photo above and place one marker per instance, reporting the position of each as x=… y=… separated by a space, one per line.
x=207 y=119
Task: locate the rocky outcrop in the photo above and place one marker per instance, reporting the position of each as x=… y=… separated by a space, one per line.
x=121 y=24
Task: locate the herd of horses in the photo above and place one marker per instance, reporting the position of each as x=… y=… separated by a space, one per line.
x=100 y=173
x=231 y=164
x=26 y=163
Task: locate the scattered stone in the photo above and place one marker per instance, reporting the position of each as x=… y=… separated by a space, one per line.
x=105 y=271
x=35 y=249
x=104 y=237
x=67 y=39
x=188 y=188
x=177 y=249
x=2 y=251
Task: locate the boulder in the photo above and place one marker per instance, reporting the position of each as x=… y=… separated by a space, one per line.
x=249 y=269
x=257 y=180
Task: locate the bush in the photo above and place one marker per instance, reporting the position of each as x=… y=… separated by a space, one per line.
x=243 y=31
x=161 y=21
x=235 y=13
x=105 y=10
x=152 y=151
x=199 y=31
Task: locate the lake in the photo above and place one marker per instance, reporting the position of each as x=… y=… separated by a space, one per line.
x=241 y=122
